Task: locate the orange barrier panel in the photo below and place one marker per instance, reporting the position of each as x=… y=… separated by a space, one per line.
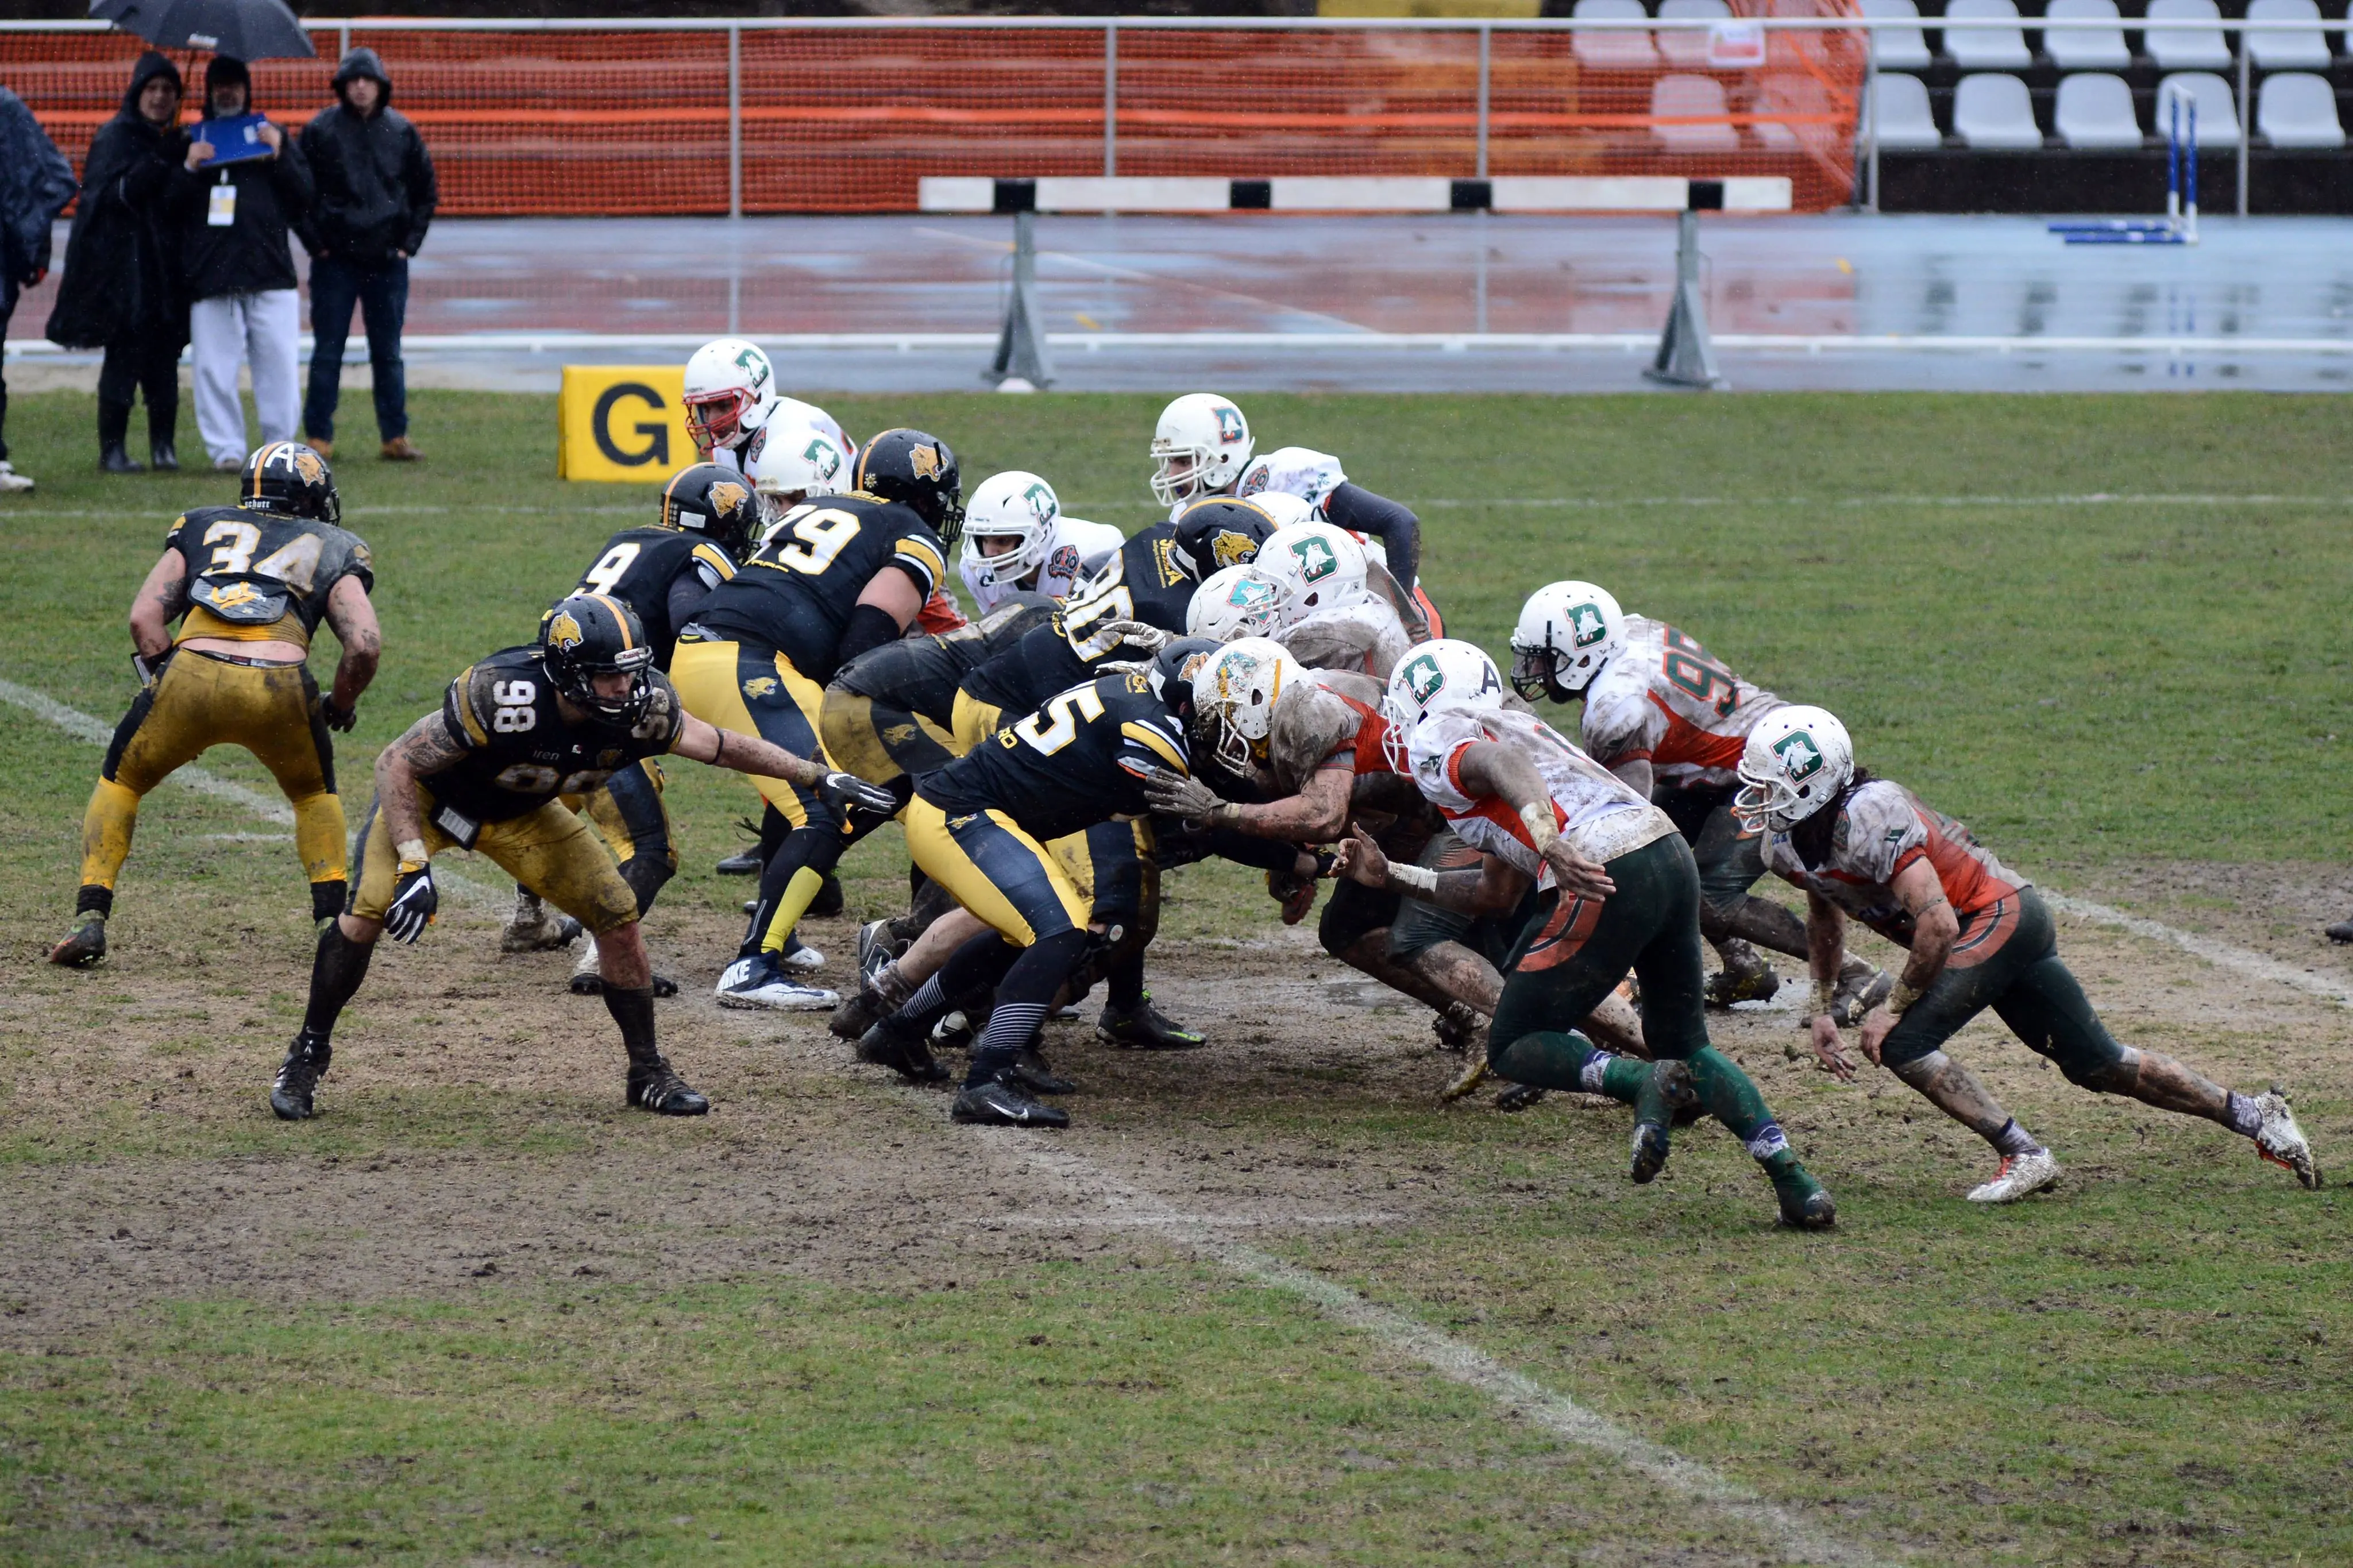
x=614 y=120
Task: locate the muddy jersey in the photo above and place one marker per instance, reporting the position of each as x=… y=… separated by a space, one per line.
x=921 y=673
x=1075 y=542
x=796 y=593
x=1080 y=759
x=1881 y=828
x=521 y=751
x=1363 y=638
x=653 y=570
x=1666 y=701
x=1591 y=806
x=256 y=577
x=1333 y=720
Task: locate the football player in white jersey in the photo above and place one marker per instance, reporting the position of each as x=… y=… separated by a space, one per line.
x=1610 y=885
x=1980 y=936
x=730 y=396
x=1017 y=538
x=1667 y=717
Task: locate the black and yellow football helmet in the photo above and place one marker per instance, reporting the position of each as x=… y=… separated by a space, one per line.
x=589 y=635
x=1214 y=534
x=717 y=502
x=918 y=471
x=292 y=480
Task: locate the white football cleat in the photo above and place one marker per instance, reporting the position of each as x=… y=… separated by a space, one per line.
x=2280 y=1141
x=532 y=927
x=10 y=480
x=2021 y=1176
x=586 y=962
x=761 y=983
x=804 y=957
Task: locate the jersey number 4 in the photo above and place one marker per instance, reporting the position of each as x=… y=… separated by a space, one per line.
x=296 y=563
x=1078 y=705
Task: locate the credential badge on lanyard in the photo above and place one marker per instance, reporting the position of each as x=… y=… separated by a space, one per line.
x=222 y=213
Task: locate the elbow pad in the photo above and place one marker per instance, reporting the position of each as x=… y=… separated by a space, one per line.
x=870 y=627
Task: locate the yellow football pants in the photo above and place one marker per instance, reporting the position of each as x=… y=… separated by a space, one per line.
x=880 y=743
x=974 y=721
x=200 y=702
x=550 y=851
x=739 y=687
x=1012 y=883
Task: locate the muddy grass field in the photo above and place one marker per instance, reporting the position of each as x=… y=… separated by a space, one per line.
x=1267 y=1301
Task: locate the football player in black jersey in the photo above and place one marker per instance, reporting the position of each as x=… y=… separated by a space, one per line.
x=515 y=734
x=707 y=519
x=980 y=826
x=253 y=582
x=839 y=575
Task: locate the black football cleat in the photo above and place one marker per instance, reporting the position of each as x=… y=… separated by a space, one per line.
x=1034 y=1073
x=859 y=1014
x=1520 y=1096
x=1145 y=1027
x=298 y=1081
x=1805 y=1206
x=1001 y=1104
x=84 y=945
x=904 y=1052
x=588 y=983
x=742 y=863
x=2342 y=931
x=1650 y=1153
x=654 y=1086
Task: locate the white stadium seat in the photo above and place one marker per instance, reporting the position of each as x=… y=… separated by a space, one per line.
x=1899 y=49
x=2218 y=111
x=2091 y=50
x=1614 y=51
x=2287 y=51
x=2095 y=112
x=1688 y=47
x=1905 y=125
x=1691 y=95
x=2297 y=108
x=2187 y=48
x=1989 y=49
x=1995 y=112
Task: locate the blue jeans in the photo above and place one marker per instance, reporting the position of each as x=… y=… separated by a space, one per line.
x=381 y=293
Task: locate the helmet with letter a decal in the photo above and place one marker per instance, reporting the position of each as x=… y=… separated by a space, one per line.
x=1796 y=761
x=289 y=480
x=1566 y=633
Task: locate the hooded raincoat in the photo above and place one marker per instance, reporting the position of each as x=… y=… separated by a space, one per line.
x=376 y=192
x=122 y=282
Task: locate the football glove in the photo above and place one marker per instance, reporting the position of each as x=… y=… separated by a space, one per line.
x=850 y=792
x=1175 y=795
x=339 y=720
x=1135 y=634
x=414 y=903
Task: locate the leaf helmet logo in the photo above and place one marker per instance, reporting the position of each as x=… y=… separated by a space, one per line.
x=1230 y=424
x=727 y=495
x=1801 y=758
x=824 y=456
x=1424 y=679
x=925 y=461
x=564 y=632
x=1586 y=626
x=1042 y=503
x=1317 y=559
x=1230 y=549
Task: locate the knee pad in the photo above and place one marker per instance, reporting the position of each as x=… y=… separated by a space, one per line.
x=646 y=874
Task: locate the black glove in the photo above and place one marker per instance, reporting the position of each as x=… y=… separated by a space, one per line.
x=339 y=720
x=850 y=791
x=414 y=904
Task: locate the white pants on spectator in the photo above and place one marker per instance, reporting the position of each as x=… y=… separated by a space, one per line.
x=264 y=329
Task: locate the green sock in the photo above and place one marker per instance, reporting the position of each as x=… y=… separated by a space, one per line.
x=1622 y=1078
x=1732 y=1099
x=1549 y=1059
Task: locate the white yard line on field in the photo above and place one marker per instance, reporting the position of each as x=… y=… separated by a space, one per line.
x=2207 y=948
x=1798 y=1541
x=82 y=726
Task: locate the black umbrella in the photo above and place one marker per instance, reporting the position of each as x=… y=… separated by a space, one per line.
x=241 y=30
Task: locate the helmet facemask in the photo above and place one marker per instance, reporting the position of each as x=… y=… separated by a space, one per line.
x=1178 y=472
x=716 y=420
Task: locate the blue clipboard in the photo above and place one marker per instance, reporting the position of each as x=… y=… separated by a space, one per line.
x=233 y=140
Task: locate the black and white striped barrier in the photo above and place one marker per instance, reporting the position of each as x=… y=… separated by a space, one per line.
x=1379 y=194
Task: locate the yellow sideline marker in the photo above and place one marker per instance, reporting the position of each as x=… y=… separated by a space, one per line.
x=624 y=423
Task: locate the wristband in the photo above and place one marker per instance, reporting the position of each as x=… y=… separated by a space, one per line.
x=1541 y=829
x=411 y=852
x=1824 y=993
x=1418 y=880
x=1224 y=814
x=1904 y=996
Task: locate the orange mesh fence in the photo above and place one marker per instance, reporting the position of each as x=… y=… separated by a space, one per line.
x=564 y=121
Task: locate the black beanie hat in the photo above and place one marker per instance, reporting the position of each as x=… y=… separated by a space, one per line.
x=222 y=69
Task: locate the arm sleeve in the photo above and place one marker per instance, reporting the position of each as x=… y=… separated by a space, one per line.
x=1355 y=508
x=686 y=592
x=870 y=626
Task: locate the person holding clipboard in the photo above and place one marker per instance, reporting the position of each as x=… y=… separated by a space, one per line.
x=243 y=183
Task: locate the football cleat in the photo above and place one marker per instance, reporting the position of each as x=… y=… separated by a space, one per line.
x=955 y=1029
x=1805 y=1203
x=298 y=1079
x=1145 y=1027
x=800 y=955
x=2342 y=931
x=1745 y=977
x=742 y=863
x=1034 y=1073
x=1520 y=1096
x=532 y=927
x=1650 y=1153
x=1001 y=1104
x=2022 y=1175
x=859 y=1014
x=1861 y=987
x=1473 y=1074
x=2280 y=1141
x=876 y=950
x=655 y=1087
x=1669 y=1090
x=761 y=983
x=588 y=979
x=84 y=945
x=1458 y=1027
x=887 y=1045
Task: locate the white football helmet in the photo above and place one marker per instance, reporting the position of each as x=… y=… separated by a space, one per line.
x=725 y=380
x=1016 y=506
x=1566 y=633
x=1233 y=602
x=1234 y=697
x=1286 y=510
x=1300 y=471
x=789 y=467
x=1796 y=761
x=1445 y=675
x=1198 y=447
x=1314 y=566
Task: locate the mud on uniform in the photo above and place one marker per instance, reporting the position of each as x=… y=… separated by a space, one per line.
x=890 y=712
x=664 y=574
x=1142 y=581
x=1002 y=827
x=252 y=576
x=755 y=656
x=504 y=799
x=1364 y=638
x=2006 y=956
x=1666 y=701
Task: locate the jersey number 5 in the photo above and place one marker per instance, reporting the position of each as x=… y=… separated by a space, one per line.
x=1080 y=704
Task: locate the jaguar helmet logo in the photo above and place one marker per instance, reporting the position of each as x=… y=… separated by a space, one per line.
x=726 y=496
x=1801 y=758
x=925 y=461
x=307 y=464
x=564 y=632
x=1424 y=679
x=1230 y=549
x=1586 y=626
x=1042 y=503
x=1191 y=667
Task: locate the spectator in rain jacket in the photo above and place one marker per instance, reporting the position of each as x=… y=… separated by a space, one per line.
x=375 y=199
x=36 y=184
x=121 y=289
